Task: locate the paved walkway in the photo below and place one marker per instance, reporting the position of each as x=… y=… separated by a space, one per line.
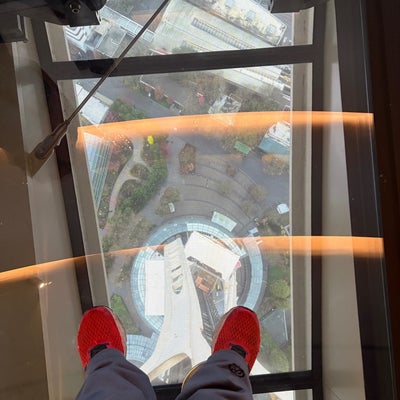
x=125 y=174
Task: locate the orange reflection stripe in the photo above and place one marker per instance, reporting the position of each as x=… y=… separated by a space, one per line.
x=297 y=245
x=324 y=245
x=243 y=122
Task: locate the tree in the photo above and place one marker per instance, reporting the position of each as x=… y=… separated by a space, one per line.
x=248 y=207
x=183 y=48
x=255 y=102
x=282 y=304
x=158 y=93
x=251 y=139
x=125 y=272
x=279 y=289
x=170 y=195
x=125 y=111
x=140 y=171
x=271 y=355
x=278 y=360
x=230 y=170
x=106 y=243
x=258 y=192
x=108 y=262
x=224 y=189
x=267 y=342
x=155 y=151
x=275 y=165
x=187 y=159
x=132 y=82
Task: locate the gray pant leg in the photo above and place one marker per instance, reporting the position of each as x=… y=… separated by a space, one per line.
x=110 y=376
x=225 y=375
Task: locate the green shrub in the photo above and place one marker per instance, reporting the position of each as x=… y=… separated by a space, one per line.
x=120 y=309
x=282 y=304
x=277 y=270
x=170 y=195
x=258 y=192
x=126 y=111
x=224 y=189
x=275 y=165
x=146 y=190
x=248 y=207
x=271 y=355
x=134 y=196
x=279 y=289
x=279 y=361
x=140 y=171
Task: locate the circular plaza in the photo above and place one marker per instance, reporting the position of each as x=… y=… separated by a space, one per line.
x=247 y=250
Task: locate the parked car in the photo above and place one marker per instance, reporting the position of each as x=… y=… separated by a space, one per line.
x=282 y=208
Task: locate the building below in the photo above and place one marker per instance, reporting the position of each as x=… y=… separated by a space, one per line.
x=277 y=139
x=98 y=154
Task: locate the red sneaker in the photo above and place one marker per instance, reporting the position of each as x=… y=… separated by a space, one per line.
x=238 y=330
x=99 y=327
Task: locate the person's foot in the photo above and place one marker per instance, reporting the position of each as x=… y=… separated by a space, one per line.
x=99 y=329
x=238 y=330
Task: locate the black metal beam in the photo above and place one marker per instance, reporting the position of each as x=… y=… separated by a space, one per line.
x=85 y=69
x=187 y=62
x=383 y=17
x=316 y=198
x=362 y=185
x=298 y=380
x=69 y=196
x=270 y=383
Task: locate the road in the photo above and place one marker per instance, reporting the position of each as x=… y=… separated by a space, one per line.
x=114 y=88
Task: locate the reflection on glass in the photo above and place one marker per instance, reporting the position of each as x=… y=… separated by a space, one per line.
x=290 y=395
x=185 y=167
x=185 y=26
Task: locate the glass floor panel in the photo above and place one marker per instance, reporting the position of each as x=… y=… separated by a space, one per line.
x=183 y=27
x=190 y=175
